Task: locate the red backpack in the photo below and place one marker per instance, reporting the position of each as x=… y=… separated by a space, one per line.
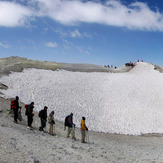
x=26 y=107
x=13 y=104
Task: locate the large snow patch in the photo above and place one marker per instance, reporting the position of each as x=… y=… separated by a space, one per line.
x=125 y=103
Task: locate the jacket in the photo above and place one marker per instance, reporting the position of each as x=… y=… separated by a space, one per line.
x=51 y=118
x=30 y=110
x=16 y=103
x=83 y=125
x=43 y=114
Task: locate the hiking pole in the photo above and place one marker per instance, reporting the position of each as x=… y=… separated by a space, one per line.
x=87 y=136
x=45 y=126
x=74 y=131
x=53 y=129
x=34 y=122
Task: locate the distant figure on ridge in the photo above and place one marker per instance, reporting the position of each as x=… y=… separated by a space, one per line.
x=83 y=129
x=51 y=122
x=29 y=113
x=43 y=118
x=71 y=126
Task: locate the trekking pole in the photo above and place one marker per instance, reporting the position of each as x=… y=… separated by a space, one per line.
x=54 y=129
x=45 y=126
x=87 y=136
x=34 y=123
x=74 y=131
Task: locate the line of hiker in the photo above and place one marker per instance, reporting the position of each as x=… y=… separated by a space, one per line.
x=43 y=119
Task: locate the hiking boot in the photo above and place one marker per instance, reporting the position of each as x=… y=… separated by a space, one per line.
x=15 y=121
x=74 y=139
x=51 y=134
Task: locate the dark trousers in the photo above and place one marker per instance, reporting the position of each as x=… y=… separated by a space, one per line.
x=15 y=114
x=43 y=124
x=30 y=120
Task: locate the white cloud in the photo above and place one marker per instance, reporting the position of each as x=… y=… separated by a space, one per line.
x=13 y=14
x=75 y=33
x=71 y=12
x=51 y=44
x=135 y=16
x=83 y=51
x=61 y=32
x=4 y=45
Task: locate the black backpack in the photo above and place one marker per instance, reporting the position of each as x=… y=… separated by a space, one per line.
x=66 y=121
x=40 y=114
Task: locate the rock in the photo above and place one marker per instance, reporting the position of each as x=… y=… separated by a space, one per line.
x=32 y=160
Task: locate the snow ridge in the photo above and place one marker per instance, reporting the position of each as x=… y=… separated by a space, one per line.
x=124 y=103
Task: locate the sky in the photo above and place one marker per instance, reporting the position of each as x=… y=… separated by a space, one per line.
x=98 y=32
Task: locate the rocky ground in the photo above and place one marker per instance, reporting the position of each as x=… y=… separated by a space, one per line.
x=19 y=144
x=17 y=64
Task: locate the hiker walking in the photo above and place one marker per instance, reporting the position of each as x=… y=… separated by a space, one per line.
x=43 y=118
x=51 y=122
x=71 y=126
x=83 y=129
x=15 y=107
x=29 y=113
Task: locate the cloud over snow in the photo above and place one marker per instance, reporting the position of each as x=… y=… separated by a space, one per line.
x=136 y=15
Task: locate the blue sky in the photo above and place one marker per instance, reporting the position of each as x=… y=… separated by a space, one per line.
x=79 y=31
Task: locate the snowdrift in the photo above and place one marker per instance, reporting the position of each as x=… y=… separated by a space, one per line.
x=124 y=103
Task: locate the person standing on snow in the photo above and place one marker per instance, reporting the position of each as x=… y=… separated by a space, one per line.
x=43 y=118
x=69 y=123
x=30 y=115
x=16 y=108
x=83 y=129
x=51 y=122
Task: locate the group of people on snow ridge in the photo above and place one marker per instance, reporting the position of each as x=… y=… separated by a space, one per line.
x=43 y=118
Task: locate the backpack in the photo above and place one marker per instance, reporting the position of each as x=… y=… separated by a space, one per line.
x=40 y=113
x=26 y=109
x=66 y=121
x=13 y=104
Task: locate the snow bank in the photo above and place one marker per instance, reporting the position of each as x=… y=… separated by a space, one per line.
x=124 y=103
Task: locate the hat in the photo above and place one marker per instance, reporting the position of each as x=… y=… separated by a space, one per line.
x=83 y=118
x=45 y=107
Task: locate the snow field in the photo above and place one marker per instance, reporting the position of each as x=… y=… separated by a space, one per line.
x=124 y=103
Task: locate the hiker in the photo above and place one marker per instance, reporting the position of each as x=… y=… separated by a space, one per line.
x=29 y=113
x=83 y=129
x=43 y=118
x=51 y=122
x=15 y=106
x=71 y=126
